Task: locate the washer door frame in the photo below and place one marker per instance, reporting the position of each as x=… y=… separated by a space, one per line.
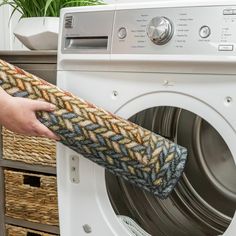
x=90 y=196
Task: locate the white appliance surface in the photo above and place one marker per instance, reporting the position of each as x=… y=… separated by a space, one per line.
x=108 y=55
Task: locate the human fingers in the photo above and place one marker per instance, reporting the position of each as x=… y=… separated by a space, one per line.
x=43 y=131
x=42 y=106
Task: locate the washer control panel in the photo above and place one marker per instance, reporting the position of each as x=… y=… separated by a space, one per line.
x=178 y=30
x=199 y=30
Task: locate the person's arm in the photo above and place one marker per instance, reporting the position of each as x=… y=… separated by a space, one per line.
x=18 y=115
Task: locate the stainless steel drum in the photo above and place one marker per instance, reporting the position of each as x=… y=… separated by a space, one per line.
x=204 y=201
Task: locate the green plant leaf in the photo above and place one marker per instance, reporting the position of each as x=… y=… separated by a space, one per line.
x=48 y=2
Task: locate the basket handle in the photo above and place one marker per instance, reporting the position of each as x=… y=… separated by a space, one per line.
x=33 y=234
x=33 y=181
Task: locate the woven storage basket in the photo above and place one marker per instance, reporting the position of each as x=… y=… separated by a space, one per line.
x=32 y=150
x=19 y=231
x=31 y=197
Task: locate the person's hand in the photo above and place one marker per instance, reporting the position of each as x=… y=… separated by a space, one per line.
x=18 y=115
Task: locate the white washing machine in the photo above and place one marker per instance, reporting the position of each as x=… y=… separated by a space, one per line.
x=170 y=67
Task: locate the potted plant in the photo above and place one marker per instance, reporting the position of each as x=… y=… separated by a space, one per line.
x=39 y=23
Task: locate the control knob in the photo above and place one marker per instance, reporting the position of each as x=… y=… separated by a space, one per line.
x=160 y=30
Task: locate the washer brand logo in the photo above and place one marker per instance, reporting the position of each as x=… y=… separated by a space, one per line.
x=68 y=22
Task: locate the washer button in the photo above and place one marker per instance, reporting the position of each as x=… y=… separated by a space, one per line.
x=226 y=47
x=122 y=33
x=205 y=31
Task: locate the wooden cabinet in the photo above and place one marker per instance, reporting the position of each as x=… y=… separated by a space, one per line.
x=28 y=178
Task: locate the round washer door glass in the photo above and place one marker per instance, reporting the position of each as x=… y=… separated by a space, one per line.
x=204 y=201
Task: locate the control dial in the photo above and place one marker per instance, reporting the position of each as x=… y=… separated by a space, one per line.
x=160 y=30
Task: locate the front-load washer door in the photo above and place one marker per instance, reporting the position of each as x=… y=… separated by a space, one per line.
x=204 y=201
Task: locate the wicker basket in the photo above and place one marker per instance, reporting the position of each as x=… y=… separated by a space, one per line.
x=31 y=197
x=18 y=231
x=32 y=150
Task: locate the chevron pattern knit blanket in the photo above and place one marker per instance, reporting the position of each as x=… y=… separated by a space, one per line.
x=124 y=148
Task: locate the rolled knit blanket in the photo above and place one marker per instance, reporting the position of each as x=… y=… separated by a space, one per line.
x=136 y=154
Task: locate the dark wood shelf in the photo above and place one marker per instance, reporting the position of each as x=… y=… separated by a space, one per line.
x=29 y=57
x=28 y=167
x=32 y=225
